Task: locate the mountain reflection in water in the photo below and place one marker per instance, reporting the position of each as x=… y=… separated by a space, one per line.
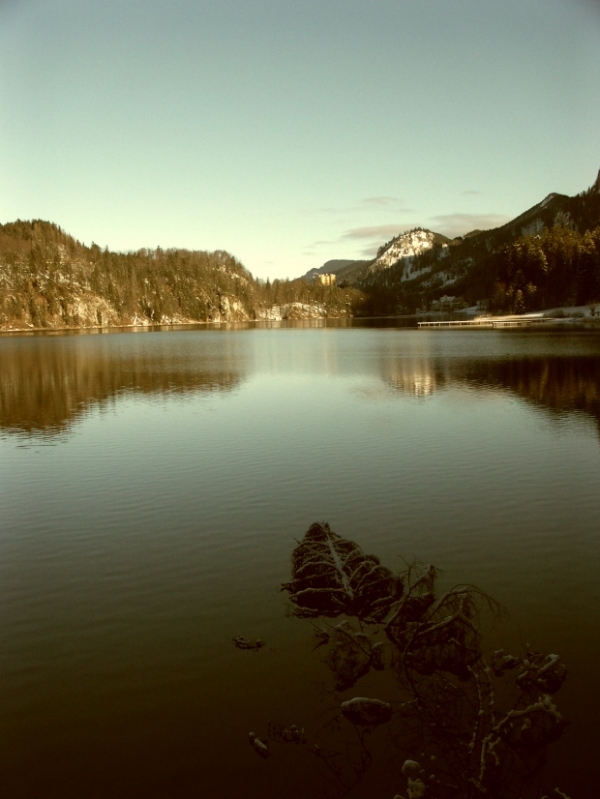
x=48 y=383
x=556 y=384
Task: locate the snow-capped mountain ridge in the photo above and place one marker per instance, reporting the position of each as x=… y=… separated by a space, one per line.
x=405 y=246
x=404 y=254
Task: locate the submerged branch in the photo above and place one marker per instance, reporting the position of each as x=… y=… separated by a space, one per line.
x=486 y=724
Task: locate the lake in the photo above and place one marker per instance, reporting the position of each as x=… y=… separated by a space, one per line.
x=153 y=485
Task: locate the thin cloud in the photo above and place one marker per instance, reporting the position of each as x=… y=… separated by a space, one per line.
x=384 y=201
x=375 y=232
x=457 y=224
x=371 y=237
x=471 y=192
x=374 y=236
x=322 y=243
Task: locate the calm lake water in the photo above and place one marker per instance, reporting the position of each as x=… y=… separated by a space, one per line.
x=152 y=486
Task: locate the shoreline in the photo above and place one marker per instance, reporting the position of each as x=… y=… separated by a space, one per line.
x=555 y=318
x=96 y=329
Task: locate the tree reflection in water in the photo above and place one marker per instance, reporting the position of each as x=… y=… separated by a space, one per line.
x=555 y=384
x=460 y=724
x=48 y=385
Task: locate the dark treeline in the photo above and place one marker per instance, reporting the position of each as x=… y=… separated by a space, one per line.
x=48 y=279
x=558 y=267
x=45 y=389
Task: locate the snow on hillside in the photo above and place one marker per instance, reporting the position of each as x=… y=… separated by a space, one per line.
x=406 y=246
x=404 y=250
x=548 y=199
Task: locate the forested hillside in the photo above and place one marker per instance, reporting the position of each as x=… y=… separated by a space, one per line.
x=548 y=256
x=50 y=280
x=557 y=267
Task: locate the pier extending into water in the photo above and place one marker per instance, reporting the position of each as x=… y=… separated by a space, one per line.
x=498 y=321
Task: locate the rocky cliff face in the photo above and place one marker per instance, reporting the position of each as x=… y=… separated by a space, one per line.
x=292 y=310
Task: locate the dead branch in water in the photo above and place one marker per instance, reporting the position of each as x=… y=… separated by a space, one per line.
x=487 y=724
x=332 y=575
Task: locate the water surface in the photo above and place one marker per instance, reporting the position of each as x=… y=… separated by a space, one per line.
x=152 y=485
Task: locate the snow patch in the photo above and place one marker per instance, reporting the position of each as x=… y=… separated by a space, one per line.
x=547 y=200
x=533 y=229
x=405 y=247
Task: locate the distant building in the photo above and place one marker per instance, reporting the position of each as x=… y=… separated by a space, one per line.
x=327 y=279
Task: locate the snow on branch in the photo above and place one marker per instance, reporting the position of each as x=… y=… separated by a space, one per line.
x=332 y=575
x=483 y=722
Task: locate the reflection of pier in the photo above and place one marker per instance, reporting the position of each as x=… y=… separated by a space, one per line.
x=498 y=321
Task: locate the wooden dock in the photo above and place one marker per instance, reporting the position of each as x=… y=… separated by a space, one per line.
x=497 y=321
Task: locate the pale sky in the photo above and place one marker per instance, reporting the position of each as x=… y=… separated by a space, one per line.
x=290 y=132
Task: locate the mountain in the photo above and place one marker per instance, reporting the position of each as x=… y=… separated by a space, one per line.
x=50 y=280
x=402 y=252
x=548 y=255
x=406 y=246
